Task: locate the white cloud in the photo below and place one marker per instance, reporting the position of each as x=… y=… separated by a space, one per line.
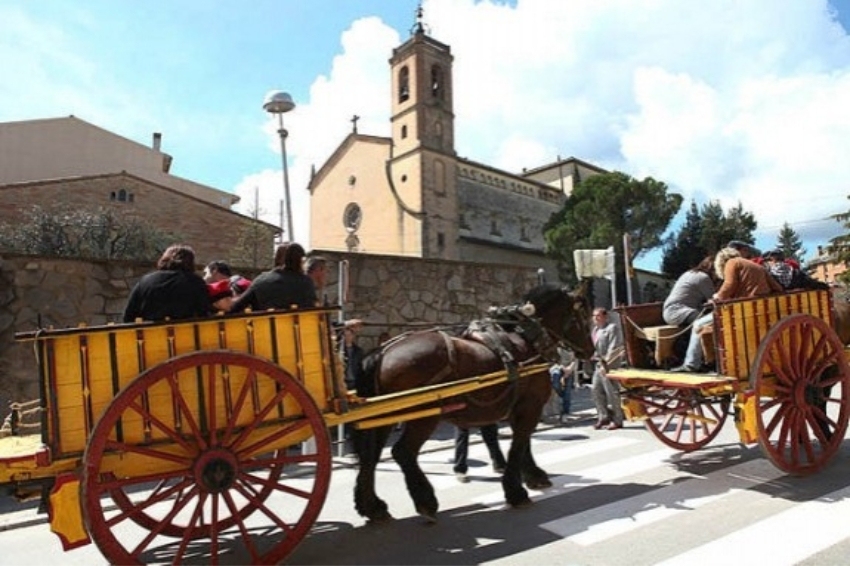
x=357 y=85
x=725 y=100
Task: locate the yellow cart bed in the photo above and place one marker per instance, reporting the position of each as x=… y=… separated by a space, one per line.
x=781 y=369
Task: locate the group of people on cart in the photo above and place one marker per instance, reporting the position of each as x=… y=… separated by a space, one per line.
x=176 y=291
x=736 y=271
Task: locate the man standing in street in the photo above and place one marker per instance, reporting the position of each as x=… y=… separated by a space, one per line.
x=609 y=354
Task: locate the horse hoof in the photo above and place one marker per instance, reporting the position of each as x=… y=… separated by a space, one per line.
x=379 y=518
x=429 y=516
x=543 y=483
x=521 y=504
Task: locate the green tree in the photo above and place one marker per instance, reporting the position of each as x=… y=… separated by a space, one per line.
x=705 y=231
x=790 y=244
x=601 y=210
x=839 y=246
x=684 y=250
x=85 y=233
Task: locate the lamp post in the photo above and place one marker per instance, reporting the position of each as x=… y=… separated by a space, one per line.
x=279 y=102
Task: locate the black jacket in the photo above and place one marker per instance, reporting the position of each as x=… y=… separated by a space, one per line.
x=168 y=294
x=278 y=289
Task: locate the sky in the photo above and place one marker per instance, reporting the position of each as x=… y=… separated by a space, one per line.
x=735 y=101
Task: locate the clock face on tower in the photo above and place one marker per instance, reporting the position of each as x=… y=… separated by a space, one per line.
x=352 y=217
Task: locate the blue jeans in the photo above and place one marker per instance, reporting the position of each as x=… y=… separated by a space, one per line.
x=694 y=358
x=565 y=391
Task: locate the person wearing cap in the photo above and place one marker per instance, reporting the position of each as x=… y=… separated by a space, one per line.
x=747 y=251
x=741 y=278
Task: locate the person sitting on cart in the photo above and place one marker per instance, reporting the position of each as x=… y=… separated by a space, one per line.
x=316 y=267
x=223 y=286
x=687 y=300
x=741 y=278
x=787 y=275
x=174 y=291
x=286 y=286
x=747 y=251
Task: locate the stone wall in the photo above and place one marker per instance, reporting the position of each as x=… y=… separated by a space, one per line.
x=389 y=293
x=395 y=294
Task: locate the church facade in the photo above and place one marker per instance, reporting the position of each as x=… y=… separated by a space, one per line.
x=412 y=195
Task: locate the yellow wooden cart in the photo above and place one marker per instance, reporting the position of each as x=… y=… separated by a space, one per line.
x=780 y=367
x=185 y=441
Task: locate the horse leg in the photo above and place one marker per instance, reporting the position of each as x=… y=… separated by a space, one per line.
x=515 y=493
x=533 y=476
x=368 y=444
x=521 y=465
x=406 y=451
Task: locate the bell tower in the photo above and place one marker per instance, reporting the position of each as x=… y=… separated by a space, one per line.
x=422 y=105
x=422 y=166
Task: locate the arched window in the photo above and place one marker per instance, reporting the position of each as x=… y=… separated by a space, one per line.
x=122 y=195
x=437 y=82
x=403 y=84
x=404 y=132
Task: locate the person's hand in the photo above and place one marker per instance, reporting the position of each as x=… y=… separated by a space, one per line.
x=224 y=304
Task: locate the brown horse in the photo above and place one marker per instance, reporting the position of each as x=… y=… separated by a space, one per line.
x=560 y=318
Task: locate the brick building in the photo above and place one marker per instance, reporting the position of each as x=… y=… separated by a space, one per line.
x=825 y=266
x=70 y=163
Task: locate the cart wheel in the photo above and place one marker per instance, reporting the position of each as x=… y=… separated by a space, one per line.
x=801 y=378
x=171 y=487
x=684 y=419
x=196 y=447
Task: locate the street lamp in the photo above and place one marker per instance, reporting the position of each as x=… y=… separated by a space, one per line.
x=279 y=102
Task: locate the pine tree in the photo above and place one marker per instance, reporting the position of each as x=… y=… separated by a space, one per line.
x=705 y=231
x=790 y=244
x=684 y=250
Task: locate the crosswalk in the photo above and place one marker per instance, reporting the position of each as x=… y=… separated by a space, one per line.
x=627 y=499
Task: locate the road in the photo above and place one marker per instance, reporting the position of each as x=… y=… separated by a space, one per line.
x=620 y=497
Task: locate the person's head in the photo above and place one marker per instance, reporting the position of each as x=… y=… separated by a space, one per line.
x=774 y=256
x=600 y=316
x=178 y=257
x=721 y=258
x=317 y=269
x=293 y=258
x=280 y=254
x=217 y=270
x=747 y=251
x=706 y=265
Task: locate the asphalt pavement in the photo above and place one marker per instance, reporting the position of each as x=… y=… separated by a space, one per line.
x=15 y=514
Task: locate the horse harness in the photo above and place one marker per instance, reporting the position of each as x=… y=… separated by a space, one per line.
x=492 y=333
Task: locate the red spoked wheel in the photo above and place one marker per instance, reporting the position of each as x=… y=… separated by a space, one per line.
x=802 y=381
x=173 y=487
x=685 y=419
x=207 y=435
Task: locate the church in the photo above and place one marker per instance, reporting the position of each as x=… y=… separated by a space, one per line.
x=412 y=195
